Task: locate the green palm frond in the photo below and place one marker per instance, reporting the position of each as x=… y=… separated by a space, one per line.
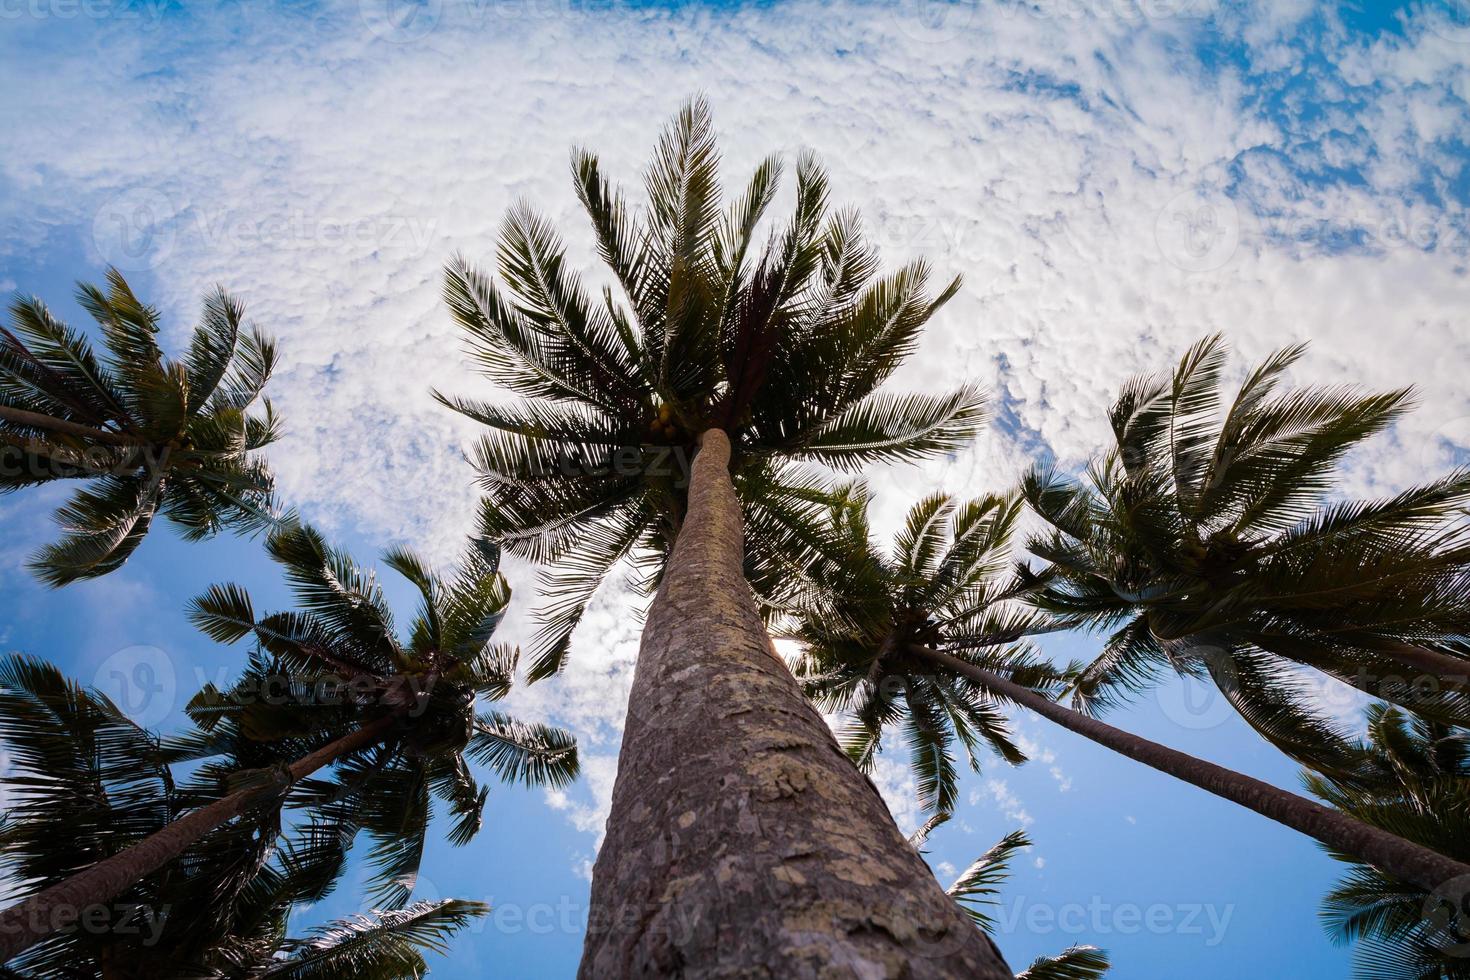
x=1205 y=541
x=978 y=885
x=153 y=435
x=1072 y=963
x=527 y=752
x=782 y=344
x=863 y=618
x=387 y=945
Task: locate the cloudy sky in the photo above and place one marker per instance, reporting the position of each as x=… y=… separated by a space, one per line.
x=1113 y=179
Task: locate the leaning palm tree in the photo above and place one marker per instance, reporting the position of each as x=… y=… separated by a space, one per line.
x=333 y=686
x=977 y=889
x=754 y=356
x=1415 y=782
x=87 y=783
x=151 y=434
x=938 y=623
x=1206 y=541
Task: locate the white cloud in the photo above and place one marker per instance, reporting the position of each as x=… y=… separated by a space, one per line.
x=326 y=168
x=1006 y=802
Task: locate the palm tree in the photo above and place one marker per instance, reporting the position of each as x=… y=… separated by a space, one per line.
x=88 y=783
x=333 y=686
x=856 y=613
x=153 y=435
x=939 y=623
x=1205 y=539
x=755 y=358
x=1415 y=783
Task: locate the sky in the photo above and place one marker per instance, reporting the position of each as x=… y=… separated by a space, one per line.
x=1113 y=178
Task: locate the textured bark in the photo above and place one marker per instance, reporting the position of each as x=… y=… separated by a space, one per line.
x=27 y=923
x=36 y=420
x=742 y=842
x=1393 y=855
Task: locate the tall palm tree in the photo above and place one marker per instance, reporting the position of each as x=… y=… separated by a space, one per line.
x=938 y=622
x=333 y=686
x=1415 y=782
x=151 y=434
x=755 y=356
x=87 y=783
x=1206 y=539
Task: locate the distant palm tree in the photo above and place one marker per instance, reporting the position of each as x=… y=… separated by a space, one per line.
x=1206 y=539
x=757 y=356
x=1415 y=783
x=933 y=629
x=857 y=613
x=976 y=889
x=334 y=686
x=87 y=783
x=151 y=434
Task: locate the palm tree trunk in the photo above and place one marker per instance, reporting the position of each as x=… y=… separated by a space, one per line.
x=1392 y=855
x=36 y=420
x=1451 y=672
x=27 y=923
x=742 y=841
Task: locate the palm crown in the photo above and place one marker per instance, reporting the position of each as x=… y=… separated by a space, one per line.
x=1207 y=539
x=782 y=346
x=345 y=667
x=87 y=783
x=1414 y=781
x=152 y=434
x=860 y=614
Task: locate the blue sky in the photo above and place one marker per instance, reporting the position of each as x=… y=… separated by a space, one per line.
x=1114 y=178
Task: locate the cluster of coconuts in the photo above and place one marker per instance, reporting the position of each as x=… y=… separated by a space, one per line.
x=662 y=424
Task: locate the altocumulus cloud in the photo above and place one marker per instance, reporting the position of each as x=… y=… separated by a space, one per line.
x=1113 y=179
